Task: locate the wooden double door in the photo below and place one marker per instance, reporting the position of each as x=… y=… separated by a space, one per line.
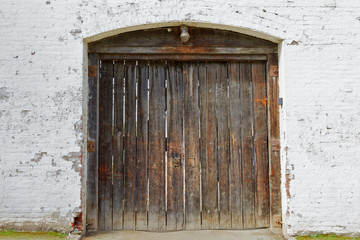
x=182 y=145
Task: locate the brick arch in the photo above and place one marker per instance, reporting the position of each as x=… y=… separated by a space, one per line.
x=275 y=38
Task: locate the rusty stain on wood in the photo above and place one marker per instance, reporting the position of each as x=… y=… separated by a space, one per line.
x=263 y=101
x=275 y=145
x=273 y=71
x=92 y=71
x=277 y=221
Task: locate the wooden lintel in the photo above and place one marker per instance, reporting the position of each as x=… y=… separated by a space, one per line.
x=183 y=50
x=183 y=57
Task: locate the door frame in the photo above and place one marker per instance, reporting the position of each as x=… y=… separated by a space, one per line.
x=102 y=51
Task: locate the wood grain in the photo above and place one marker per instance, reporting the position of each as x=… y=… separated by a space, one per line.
x=184 y=57
x=216 y=118
x=248 y=178
x=210 y=199
x=118 y=166
x=202 y=38
x=235 y=105
x=142 y=146
x=274 y=134
x=92 y=161
x=175 y=146
x=223 y=155
x=192 y=161
x=262 y=205
x=156 y=216
x=105 y=145
x=203 y=92
x=130 y=146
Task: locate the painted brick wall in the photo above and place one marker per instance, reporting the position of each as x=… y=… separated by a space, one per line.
x=42 y=56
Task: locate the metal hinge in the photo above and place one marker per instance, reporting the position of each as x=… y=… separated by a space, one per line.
x=91 y=146
x=92 y=71
x=274 y=71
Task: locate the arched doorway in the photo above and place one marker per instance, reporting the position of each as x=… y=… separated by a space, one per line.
x=181 y=133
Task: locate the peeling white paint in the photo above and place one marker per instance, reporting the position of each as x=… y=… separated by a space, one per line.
x=43 y=79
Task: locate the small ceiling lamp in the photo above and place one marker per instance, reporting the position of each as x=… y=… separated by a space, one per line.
x=184 y=36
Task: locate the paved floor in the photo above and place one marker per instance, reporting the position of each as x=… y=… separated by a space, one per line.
x=259 y=234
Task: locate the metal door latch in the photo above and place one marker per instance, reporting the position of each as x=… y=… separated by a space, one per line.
x=176 y=159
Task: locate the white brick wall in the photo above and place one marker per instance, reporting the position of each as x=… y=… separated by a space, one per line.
x=41 y=100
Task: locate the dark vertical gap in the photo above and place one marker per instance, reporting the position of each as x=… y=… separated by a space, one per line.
x=199 y=147
x=123 y=140
x=267 y=135
x=183 y=163
x=136 y=136
x=98 y=140
x=184 y=82
x=147 y=147
x=217 y=141
x=113 y=141
x=253 y=138
x=184 y=67
x=166 y=82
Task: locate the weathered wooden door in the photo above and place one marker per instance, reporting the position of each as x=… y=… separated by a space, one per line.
x=183 y=145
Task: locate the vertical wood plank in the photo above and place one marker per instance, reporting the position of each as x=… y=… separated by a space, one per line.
x=203 y=92
x=223 y=155
x=142 y=146
x=175 y=149
x=210 y=200
x=92 y=161
x=248 y=180
x=118 y=176
x=156 y=216
x=192 y=161
x=235 y=146
x=274 y=134
x=130 y=146
x=262 y=206
x=105 y=145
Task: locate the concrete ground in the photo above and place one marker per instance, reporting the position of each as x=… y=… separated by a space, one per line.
x=258 y=234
